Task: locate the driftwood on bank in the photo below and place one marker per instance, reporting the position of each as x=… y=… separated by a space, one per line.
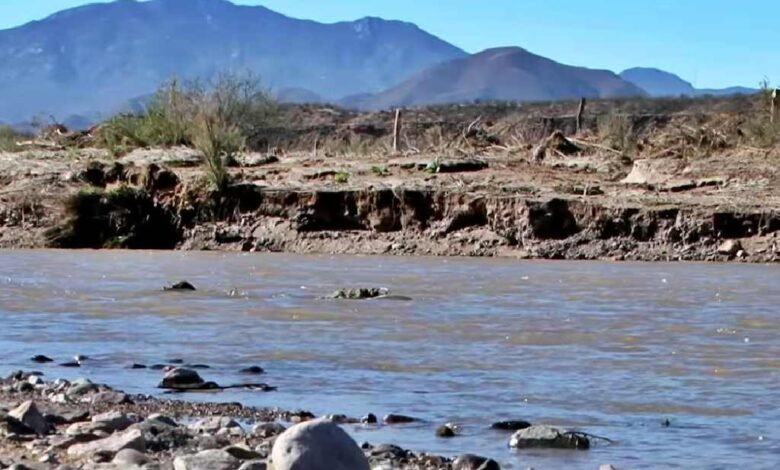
x=557 y=143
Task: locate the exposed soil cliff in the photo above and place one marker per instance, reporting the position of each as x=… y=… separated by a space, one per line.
x=686 y=185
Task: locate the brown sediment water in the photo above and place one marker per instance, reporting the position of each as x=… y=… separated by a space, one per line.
x=613 y=349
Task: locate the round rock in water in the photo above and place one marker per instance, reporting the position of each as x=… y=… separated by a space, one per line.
x=41 y=359
x=548 y=437
x=445 y=430
x=317 y=445
x=182 y=379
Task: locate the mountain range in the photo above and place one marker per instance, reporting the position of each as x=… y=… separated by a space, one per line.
x=665 y=84
x=90 y=61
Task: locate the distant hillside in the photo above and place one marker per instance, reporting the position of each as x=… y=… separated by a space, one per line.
x=658 y=82
x=96 y=57
x=661 y=83
x=509 y=73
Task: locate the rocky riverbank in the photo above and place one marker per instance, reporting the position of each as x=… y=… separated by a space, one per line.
x=693 y=188
x=77 y=424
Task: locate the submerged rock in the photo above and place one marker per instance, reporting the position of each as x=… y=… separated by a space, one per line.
x=41 y=359
x=360 y=293
x=511 y=425
x=185 y=379
x=317 y=445
x=445 y=430
x=252 y=370
x=548 y=437
x=181 y=286
x=399 y=419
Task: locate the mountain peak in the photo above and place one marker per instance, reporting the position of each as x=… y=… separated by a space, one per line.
x=658 y=82
x=129 y=48
x=505 y=74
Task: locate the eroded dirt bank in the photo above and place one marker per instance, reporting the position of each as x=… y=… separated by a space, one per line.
x=691 y=189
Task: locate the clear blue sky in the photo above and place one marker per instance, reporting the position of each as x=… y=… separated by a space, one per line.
x=712 y=43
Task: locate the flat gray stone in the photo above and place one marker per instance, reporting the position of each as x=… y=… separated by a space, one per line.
x=130 y=457
x=215 y=459
x=130 y=439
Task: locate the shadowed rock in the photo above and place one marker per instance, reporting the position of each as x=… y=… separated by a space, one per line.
x=182 y=286
x=41 y=359
x=27 y=413
x=511 y=425
x=399 y=419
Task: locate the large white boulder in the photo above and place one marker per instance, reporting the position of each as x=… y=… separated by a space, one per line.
x=317 y=445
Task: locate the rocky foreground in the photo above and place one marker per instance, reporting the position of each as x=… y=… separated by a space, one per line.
x=82 y=425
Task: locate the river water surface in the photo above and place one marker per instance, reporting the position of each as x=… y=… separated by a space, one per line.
x=611 y=349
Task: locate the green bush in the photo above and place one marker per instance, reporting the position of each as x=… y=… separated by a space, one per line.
x=175 y=115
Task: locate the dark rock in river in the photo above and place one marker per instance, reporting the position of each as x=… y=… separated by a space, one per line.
x=158 y=366
x=70 y=364
x=445 y=430
x=197 y=366
x=474 y=462
x=183 y=379
x=252 y=370
x=548 y=437
x=182 y=286
x=510 y=425
x=317 y=445
x=398 y=419
x=175 y=361
x=369 y=419
x=137 y=366
x=41 y=359
x=360 y=294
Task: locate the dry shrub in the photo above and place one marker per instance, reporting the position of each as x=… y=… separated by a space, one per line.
x=617 y=130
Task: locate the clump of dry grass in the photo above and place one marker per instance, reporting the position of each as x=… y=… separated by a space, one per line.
x=216 y=119
x=9 y=137
x=617 y=130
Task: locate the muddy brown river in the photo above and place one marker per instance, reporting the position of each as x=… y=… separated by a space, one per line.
x=678 y=364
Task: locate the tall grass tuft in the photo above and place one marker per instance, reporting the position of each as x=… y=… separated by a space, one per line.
x=215 y=118
x=9 y=137
x=618 y=132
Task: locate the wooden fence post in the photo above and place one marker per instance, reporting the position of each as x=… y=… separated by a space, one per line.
x=580 y=112
x=396 y=129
